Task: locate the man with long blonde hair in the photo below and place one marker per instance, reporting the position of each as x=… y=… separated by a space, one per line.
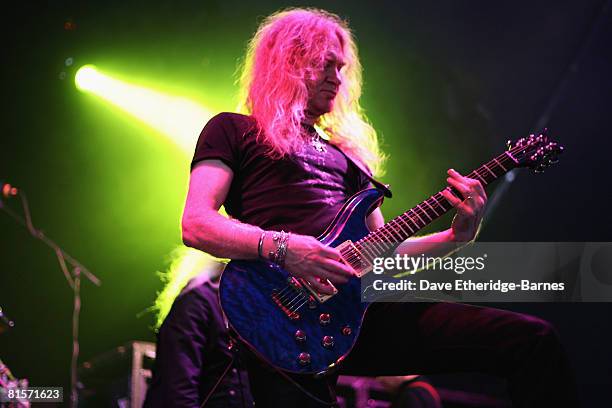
x=301 y=148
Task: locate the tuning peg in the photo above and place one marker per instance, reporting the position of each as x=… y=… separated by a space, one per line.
x=509 y=144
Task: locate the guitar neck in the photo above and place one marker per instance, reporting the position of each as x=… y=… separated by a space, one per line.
x=379 y=242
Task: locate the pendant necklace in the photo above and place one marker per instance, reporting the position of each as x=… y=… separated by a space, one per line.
x=316 y=140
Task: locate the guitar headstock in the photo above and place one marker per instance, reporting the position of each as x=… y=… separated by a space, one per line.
x=535 y=152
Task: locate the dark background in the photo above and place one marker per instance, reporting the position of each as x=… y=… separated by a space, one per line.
x=446 y=83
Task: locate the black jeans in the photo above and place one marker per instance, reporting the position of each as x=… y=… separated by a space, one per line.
x=429 y=338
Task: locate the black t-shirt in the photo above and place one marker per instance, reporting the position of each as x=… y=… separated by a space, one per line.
x=300 y=194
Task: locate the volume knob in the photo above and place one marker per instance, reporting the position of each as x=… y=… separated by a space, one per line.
x=304 y=359
x=300 y=336
x=324 y=319
x=327 y=342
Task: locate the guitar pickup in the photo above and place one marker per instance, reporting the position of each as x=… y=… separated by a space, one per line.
x=354 y=258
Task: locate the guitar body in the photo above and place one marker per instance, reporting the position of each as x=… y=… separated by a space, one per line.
x=249 y=293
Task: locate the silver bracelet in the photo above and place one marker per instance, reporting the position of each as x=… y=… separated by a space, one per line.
x=282 y=249
x=272 y=254
x=280 y=239
x=260 y=245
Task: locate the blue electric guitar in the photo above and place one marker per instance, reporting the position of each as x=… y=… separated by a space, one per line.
x=290 y=325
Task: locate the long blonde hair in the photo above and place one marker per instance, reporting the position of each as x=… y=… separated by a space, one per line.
x=289 y=48
x=188 y=268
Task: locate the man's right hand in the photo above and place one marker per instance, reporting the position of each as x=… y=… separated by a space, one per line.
x=309 y=259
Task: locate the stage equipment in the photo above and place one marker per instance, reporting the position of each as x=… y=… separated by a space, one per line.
x=121 y=377
x=357 y=392
x=118 y=378
x=73 y=277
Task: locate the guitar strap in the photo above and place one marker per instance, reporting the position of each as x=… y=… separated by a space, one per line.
x=385 y=188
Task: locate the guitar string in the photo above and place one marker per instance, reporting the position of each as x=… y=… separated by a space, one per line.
x=299 y=307
x=290 y=290
x=289 y=306
x=286 y=290
x=298 y=296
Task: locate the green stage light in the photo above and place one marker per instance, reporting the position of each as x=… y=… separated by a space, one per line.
x=180 y=120
x=177 y=117
x=85 y=77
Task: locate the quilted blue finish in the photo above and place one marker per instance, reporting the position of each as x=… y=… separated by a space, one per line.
x=246 y=299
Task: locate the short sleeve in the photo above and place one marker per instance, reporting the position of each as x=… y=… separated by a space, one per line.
x=218 y=140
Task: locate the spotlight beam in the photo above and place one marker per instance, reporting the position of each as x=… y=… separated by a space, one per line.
x=176 y=117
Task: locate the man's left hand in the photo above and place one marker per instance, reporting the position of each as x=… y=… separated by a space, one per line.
x=469 y=210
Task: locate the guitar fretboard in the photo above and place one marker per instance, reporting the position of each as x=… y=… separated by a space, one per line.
x=381 y=241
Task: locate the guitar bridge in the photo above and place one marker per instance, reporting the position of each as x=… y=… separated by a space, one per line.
x=320 y=297
x=291 y=298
